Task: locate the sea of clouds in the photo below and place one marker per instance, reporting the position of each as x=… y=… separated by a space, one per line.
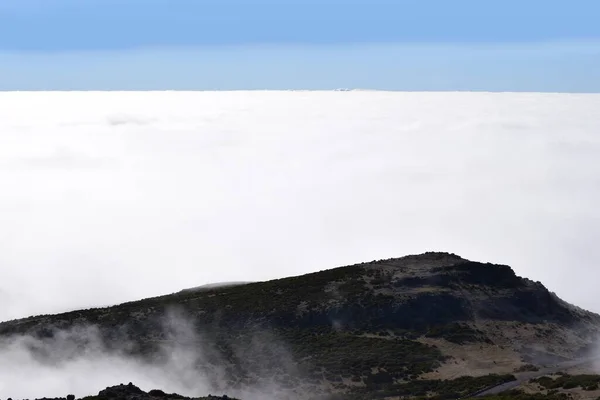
x=114 y=196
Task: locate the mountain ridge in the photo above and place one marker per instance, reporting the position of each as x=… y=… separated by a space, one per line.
x=351 y=329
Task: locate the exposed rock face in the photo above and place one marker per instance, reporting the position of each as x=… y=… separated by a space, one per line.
x=337 y=329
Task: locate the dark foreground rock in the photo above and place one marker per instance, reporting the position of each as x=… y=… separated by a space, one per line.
x=132 y=392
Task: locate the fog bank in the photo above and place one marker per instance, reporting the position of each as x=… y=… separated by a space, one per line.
x=110 y=196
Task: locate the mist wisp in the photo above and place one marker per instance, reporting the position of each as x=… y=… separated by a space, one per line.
x=80 y=360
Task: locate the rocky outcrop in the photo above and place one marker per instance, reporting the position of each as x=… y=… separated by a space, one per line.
x=132 y=392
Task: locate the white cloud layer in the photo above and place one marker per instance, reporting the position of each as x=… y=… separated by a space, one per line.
x=107 y=197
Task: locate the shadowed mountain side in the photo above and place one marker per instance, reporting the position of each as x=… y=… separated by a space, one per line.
x=353 y=328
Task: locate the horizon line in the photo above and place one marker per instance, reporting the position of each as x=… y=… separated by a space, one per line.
x=286 y=90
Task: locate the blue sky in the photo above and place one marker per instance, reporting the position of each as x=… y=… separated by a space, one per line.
x=508 y=45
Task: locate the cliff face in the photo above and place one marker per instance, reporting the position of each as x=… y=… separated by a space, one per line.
x=340 y=328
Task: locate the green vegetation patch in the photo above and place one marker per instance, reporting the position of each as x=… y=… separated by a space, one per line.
x=566 y=381
x=457 y=333
x=527 y=368
x=351 y=356
x=433 y=389
x=520 y=395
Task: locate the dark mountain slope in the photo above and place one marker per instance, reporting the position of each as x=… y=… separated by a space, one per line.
x=434 y=315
